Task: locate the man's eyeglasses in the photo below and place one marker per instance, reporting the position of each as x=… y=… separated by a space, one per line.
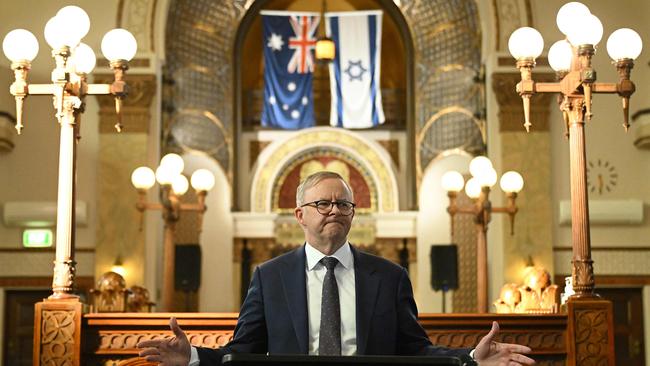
x=324 y=207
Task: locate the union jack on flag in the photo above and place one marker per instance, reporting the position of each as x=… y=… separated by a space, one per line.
x=304 y=43
x=289 y=43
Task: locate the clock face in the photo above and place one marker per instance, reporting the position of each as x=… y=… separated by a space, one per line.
x=601 y=176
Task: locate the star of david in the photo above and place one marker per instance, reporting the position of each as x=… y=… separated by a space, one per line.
x=355 y=70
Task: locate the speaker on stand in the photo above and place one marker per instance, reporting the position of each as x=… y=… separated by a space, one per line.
x=187 y=270
x=444 y=269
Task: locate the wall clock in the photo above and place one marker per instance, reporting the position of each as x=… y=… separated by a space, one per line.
x=601 y=176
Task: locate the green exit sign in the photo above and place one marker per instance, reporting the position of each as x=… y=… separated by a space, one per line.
x=37 y=238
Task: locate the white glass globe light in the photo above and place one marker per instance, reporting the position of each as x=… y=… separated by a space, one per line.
x=83 y=58
x=511 y=182
x=587 y=30
x=560 y=55
x=164 y=175
x=20 y=45
x=53 y=34
x=76 y=19
x=488 y=178
x=525 y=42
x=202 y=180
x=59 y=33
x=479 y=165
x=143 y=178
x=452 y=181
x=624 y=43
x=567 y=15
x=119 y=44
x=180 y=185
x=473 y=188
x=173 y=162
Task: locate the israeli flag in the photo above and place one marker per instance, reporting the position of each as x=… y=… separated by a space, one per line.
x=354 y=73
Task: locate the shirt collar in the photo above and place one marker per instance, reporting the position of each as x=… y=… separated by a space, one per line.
x=343 y=254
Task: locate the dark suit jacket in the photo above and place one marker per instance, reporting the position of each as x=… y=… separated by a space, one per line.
x=273 y=317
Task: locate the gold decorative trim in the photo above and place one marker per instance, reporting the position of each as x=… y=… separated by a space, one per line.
x=272 y=166
x=480 y=124
x=392 y=147
x=304 y=156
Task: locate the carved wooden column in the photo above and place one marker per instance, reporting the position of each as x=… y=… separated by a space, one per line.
x=590 y=329
x=590 y=333
x=118 y=231
x=57 y=332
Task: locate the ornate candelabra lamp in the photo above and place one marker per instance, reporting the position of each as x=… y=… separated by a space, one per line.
x=69 y=88
x=571 y=59
x=173 y=185
x=484 y=177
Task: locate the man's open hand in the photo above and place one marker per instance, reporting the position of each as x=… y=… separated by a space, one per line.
x=170 y=351
x=488 y=352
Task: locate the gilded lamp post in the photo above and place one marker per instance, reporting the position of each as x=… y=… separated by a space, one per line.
x=173 y=185
x=69 y=87
x=484 y=177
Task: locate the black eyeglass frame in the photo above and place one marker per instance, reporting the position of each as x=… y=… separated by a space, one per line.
x=338 y=204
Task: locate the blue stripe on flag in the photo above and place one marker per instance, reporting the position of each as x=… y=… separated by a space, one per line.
x=372 y=25
x=334 y=24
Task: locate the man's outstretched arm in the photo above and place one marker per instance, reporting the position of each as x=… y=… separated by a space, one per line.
x=249 y=337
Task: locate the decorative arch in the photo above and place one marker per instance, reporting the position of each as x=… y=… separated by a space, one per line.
x=403 y=27
x=370 y=156
x=328 y=158
x=442 y=38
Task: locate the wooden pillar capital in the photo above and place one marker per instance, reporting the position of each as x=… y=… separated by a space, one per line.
x=136 y=113
x=511 y=111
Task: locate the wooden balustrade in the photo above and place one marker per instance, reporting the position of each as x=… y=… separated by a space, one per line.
x=111 y=337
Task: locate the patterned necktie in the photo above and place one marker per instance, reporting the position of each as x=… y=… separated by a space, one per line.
x=329 y=342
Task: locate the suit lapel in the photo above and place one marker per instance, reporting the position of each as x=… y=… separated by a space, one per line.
x=295 y=291
x=366 y=288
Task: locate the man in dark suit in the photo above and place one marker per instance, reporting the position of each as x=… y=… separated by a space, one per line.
x=328 y=298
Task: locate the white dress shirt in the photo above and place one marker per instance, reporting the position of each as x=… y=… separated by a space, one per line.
x=315 y=272
x=344 y=273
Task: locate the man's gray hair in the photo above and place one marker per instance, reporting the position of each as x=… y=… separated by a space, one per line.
x=314 y=179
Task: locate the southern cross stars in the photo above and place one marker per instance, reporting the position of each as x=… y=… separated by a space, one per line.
x=275 y=42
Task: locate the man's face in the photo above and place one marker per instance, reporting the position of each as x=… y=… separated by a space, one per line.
x=329 y=229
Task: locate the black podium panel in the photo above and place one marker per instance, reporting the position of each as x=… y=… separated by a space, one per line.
x=241 y=359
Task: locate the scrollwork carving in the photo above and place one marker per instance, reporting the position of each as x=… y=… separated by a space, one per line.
x=128 y=341
x=57 y=337
x=591 y=337
x=532 y=339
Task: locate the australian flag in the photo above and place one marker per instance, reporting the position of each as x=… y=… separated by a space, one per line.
x=289 y=43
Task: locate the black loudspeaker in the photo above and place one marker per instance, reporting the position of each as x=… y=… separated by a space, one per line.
x=444 y=267
x=187 y=269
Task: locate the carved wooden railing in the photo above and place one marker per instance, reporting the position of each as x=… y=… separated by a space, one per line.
x=109 y=338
